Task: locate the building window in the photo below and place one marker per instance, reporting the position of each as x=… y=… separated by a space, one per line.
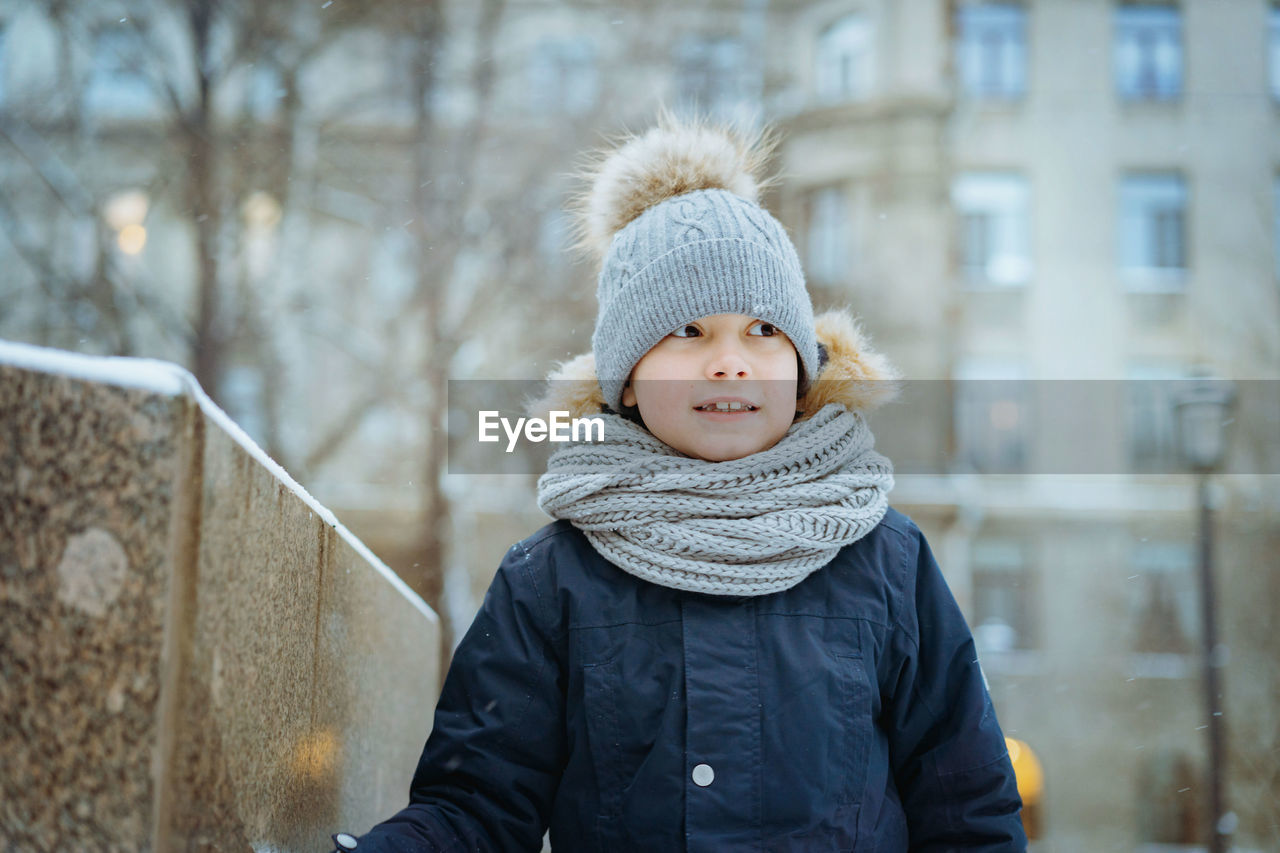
x=1273 y=50
x=845 y=63
x=1163 y=598
x=1148 y=52
x=1151 y=439
x=827 y=241
x=1002 y=596
x=992 y=50
x=710 y=74
x=1162 y=607
x=994 y=228
x=1168 y=789
x=125 y=213
x=118 y=84
x=266 y=92
x=562 y=76
x=992 y=416
x=261 y=215
x=1152 y=222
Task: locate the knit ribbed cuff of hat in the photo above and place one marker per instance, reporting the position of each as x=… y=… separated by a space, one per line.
x=695 y=280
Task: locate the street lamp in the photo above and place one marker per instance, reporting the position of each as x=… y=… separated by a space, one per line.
x=1201 y=412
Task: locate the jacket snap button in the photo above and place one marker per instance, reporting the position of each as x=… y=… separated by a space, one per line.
x=703 y=775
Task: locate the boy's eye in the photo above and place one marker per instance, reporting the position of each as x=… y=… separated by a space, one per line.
x=769 y=330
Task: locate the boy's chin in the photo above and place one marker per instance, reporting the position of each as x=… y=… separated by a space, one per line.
x=712 y=451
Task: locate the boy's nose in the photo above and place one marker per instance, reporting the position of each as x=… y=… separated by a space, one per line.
x=728 y=362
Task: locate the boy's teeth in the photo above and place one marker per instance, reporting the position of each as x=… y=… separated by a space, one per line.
x=724 y=407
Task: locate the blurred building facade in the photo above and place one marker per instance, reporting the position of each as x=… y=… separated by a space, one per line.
x=1056 y=191
x=1009 y=194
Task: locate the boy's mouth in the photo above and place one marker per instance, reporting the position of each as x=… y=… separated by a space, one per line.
x=727 y=406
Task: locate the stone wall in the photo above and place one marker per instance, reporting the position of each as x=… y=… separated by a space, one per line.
x=196 y=655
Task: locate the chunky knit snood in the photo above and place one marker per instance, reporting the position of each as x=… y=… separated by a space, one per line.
x=748 y=526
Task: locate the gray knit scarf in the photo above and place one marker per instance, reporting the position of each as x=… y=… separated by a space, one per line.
x=747 y=526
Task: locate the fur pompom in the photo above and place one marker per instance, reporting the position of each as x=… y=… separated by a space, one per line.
x=677 y=156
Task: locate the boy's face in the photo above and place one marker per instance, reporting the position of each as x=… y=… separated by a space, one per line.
x=720 y=356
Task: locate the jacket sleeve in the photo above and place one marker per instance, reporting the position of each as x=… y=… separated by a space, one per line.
x=949 y=758
x=491 y=765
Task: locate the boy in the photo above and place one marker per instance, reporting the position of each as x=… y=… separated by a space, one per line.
x=727 y=640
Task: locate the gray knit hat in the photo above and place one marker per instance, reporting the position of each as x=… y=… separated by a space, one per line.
x=686 y=238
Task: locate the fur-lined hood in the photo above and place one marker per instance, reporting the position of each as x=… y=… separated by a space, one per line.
x=853 y=374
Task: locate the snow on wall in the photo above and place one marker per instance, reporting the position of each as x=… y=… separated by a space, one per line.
x=149 y=374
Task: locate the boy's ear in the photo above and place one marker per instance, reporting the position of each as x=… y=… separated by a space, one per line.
x=806 y=381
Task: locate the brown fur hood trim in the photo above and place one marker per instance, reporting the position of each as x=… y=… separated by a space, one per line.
x=854 y=374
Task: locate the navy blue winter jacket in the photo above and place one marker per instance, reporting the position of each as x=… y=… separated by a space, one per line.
x=846 y=713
